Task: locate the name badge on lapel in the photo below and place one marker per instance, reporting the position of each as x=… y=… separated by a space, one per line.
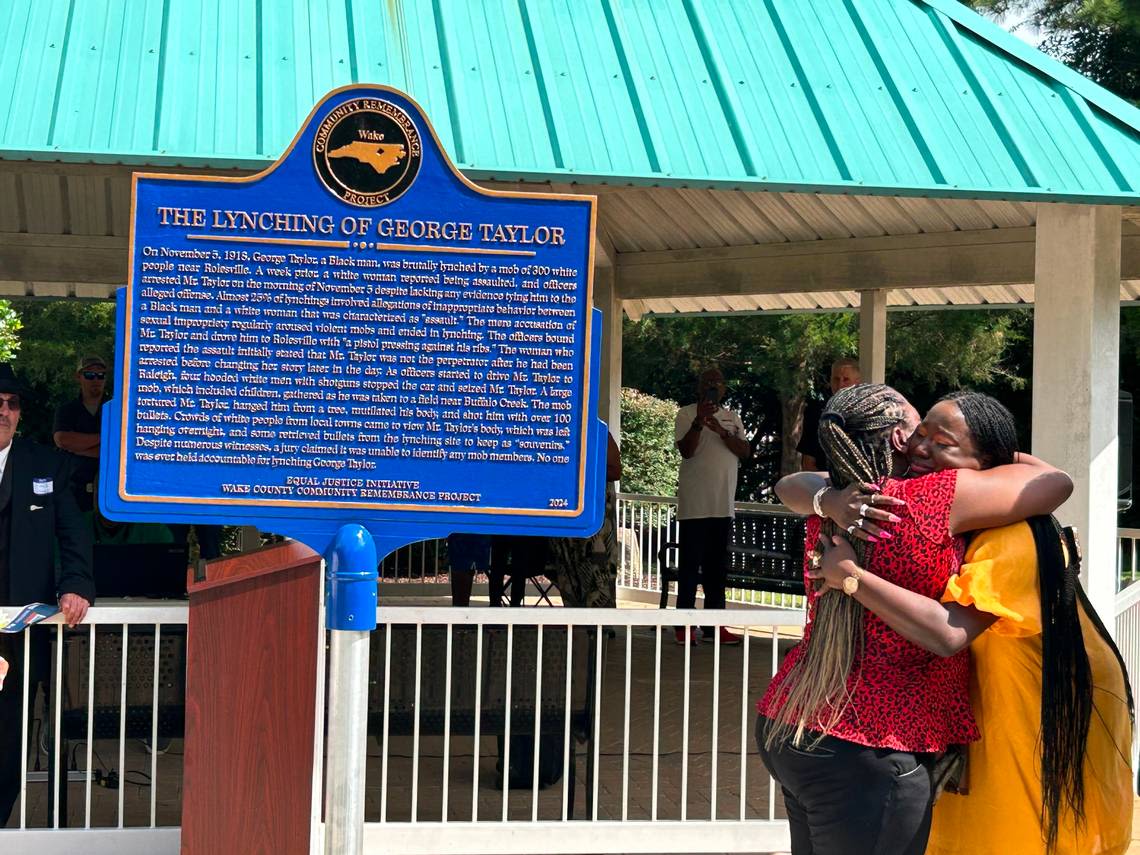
x=42 y=486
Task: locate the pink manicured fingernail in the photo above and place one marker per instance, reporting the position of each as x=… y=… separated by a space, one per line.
x=872 y=538
x=886 y=535
x=894 y=519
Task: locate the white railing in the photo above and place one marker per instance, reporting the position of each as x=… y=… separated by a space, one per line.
x=1127 y=633
x=115 y=699
x=654 y=739
x=645 y=525
x=650 y=742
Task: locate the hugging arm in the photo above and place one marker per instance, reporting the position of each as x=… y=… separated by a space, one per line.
x=941 y=628
x=1007 y=494
x=796 y=490
x=844 y=506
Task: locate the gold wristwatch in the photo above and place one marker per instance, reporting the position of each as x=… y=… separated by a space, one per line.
x=851 y=583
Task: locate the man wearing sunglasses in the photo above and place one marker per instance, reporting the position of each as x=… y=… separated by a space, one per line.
x=77 y=425
x=45 y=557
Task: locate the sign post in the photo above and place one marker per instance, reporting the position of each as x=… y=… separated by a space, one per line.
x=350 y=616
x=361 y=349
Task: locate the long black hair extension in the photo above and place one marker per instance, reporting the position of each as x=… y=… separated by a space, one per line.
x=1066 y=675
x=1066 y=681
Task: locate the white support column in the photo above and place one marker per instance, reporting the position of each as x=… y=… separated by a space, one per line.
x=606 y=298
x=1076 y=354
x=873 y=335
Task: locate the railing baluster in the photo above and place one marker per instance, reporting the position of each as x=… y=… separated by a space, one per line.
x=772 y=673
x=597 y=710
x=744 y=725
x=685 y=726
x=566 y=782
x=537 y=725
x=123 y=719
x=507 y=718
x=388 y=628
x=154 y=727
x=416 y=706
x=446 y=727
x=27 y=688
x=478 y=721
x=90 y=724
x=715 y=720
x=641 y=532
x=57 y=719
x=656 y=717
x=625 y=732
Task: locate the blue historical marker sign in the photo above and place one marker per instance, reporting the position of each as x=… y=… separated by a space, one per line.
x=357 y=334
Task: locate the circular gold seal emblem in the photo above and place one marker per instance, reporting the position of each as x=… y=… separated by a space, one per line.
x=367 y=152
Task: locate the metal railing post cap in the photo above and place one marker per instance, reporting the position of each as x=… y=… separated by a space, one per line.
x=351 y=577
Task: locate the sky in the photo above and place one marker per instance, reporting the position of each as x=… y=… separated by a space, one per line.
x=1014 y=22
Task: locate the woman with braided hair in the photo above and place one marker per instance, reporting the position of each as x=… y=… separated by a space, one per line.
x=1051 y=772
x=854 y=718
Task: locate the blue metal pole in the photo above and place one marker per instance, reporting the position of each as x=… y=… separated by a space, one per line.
x=350 y=580
x=350 y=615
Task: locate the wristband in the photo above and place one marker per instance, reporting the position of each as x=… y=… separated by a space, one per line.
x=816 y=501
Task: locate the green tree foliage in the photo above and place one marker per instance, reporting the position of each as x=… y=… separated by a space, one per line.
x=774 y=363
x=767 y=361
x=649 y=454
x=54 y=336
x=10 y=326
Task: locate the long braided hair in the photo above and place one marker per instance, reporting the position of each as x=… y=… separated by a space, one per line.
x=1066 y=676
x=855 y=434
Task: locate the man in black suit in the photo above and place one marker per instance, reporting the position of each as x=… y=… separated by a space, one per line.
x=37 y=511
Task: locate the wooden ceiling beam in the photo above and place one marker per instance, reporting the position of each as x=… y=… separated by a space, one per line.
x=963 y=258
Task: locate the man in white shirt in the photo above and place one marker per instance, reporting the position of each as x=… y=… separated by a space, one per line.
x=712 y=443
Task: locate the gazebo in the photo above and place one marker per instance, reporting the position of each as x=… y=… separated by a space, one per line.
x=775 y=155
x=747 y=157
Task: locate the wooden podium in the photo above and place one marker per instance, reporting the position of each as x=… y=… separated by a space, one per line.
x=252 y=646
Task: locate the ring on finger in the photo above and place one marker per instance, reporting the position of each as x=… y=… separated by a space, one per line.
x=859 y=522
x=875 y=497
x=851 y=528
x=863 y=508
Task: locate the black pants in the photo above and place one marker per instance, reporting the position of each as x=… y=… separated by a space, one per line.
x=11 y=702
x=848 y=799
x=516 y=556
x=704 y=551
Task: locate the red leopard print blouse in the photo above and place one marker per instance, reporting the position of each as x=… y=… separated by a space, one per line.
x=902 y=697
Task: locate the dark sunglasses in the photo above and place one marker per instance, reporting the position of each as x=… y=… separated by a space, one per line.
x=94 y=375
x=12 y=402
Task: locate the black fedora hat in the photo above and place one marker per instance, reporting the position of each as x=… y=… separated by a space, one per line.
x=8 y=382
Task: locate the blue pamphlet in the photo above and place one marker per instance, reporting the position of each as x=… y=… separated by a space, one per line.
x=358 y=334
x=29 y=615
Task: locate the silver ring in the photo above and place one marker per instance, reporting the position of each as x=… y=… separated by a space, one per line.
x=851 y=528
x=863 y=508
x=859 y=522
x=875 y=497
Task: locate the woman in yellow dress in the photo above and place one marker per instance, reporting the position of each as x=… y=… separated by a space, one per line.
x=1051 y=773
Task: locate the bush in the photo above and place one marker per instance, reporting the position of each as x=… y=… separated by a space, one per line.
x=649 y=453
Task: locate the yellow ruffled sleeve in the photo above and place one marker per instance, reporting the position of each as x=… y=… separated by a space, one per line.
x=999 y=576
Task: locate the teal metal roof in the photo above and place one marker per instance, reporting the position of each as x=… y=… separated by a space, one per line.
x=899 y=97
